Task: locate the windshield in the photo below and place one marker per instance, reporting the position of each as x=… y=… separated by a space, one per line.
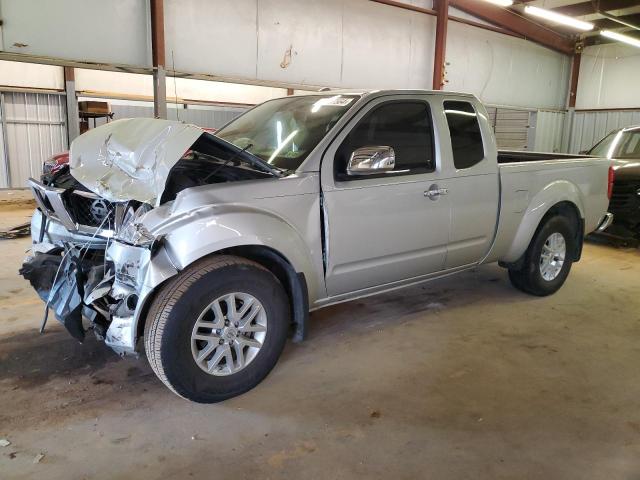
x=620 y=144
x=284 y=131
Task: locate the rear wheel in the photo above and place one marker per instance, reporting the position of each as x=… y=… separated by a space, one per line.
x=218 y=329
x=548 y=259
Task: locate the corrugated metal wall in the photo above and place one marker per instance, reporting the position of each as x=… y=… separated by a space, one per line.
x=511 y=127
x=591 y=126
x=4 y=161
x=204 y=116
x=35 y=129
x=549 y=127
x=210 y=117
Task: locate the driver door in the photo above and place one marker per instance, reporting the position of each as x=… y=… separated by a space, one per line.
x=390 y=226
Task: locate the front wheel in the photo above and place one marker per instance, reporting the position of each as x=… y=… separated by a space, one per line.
x=548 y=259
x=218 y=329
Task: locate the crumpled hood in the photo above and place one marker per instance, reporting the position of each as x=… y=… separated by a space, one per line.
x=130 y=159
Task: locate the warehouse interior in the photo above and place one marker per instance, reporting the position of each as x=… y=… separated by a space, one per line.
x=460 y=377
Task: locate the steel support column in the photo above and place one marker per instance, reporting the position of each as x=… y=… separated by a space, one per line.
x=571 y=103
x=158 y=59
x=73 y=119
x=573 y=84
x=159 y=93
x=442 y=15
x=4 y=151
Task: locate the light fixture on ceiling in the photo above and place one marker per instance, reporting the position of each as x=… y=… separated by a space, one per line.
x=558 y=18
x=501 y=3
x=621 y=38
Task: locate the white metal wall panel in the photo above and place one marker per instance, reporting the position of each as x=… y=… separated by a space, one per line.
x=505 y=70
x=386 y=47
x=85 y=30
x=339 y=43
x=210 y=117
x=31 y=75
x=36 y=129
x=217 y=37
x=206 y=116
x=300 y=41
x=108 y=83
x=609 y=77
x=549 y=128
x=205 y=90
x=591 y=126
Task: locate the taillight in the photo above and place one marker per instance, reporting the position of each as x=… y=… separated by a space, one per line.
x=610 y=179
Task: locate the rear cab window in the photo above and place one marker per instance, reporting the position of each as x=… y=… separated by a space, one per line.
x=405 y=126
x=466 y=138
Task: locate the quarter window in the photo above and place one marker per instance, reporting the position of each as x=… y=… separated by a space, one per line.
x=632 y=147
x=466 y=139
x=403 y=125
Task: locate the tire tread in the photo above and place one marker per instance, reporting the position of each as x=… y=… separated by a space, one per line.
x=525 y=278
x=166 y=299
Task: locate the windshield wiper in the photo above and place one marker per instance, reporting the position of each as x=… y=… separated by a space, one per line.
x=257 y=161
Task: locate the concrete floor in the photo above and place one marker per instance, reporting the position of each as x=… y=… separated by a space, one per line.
x=461 y=378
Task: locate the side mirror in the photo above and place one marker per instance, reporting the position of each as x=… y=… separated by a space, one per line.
x=371 y=160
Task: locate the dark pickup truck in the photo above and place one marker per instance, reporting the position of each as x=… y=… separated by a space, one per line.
x=623 y=148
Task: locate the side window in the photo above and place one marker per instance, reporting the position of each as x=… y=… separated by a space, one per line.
x=403 y=125
x=631 y=148
x=466 y=140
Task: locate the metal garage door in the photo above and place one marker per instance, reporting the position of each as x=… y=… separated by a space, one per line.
x=34 y=129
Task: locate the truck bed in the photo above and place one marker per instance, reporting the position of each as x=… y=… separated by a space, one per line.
x=531 y=182
x=515 y=156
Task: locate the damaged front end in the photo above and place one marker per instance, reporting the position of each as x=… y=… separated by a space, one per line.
x=97 y=275
x=100 y=289
x=73 y=285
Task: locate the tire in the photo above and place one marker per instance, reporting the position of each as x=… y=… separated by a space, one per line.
x=170 y=328
x=529 y=278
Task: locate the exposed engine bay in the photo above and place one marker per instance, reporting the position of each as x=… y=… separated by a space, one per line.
x=90 y=255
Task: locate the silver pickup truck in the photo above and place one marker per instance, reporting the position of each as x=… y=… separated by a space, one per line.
x=210 y=250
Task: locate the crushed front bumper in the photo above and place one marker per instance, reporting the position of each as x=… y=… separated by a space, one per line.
x=55 y=233
x=138 y=271
x=91 y=279
x=63 y=280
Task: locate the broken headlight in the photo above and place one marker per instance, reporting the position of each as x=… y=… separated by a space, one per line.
x=55 y=163
x=131 y=230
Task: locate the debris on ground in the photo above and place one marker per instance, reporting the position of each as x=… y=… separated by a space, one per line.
x=4 y=442
x=21 y=230
x=435 y=305
x=38 y=458
x=119 y=440
x=375 y=414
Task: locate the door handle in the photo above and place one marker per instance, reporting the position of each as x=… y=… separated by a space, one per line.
x=434 y=192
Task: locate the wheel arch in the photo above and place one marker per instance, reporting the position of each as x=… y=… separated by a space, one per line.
x=570 y=210
x=294 y=283
x=528 y=230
